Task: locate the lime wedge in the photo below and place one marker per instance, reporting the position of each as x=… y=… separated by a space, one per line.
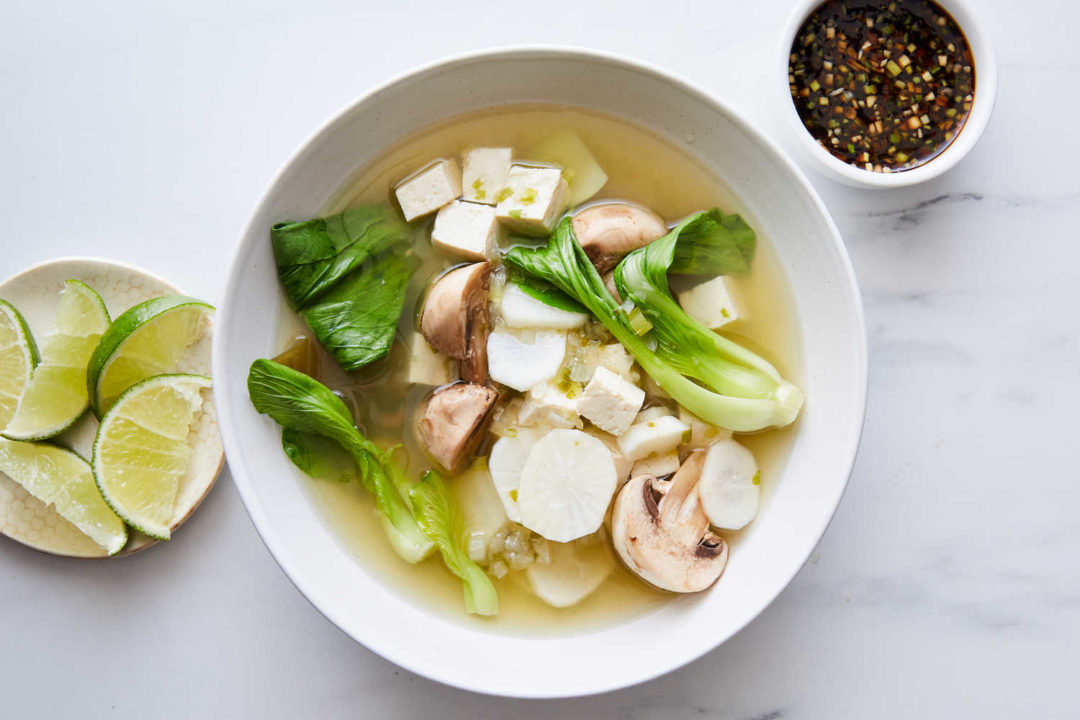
x=144 y=341
x=60 y=478
x=18 y=356
x=142 y=450
x=56 y=396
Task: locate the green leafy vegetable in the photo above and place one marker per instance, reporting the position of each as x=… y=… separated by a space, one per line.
x=437 y=513
x=700 y=244
x=564 y=264
x=304 y=405
x=346 y=276
x=543 y=291
x=318 y=456
x=319 y=437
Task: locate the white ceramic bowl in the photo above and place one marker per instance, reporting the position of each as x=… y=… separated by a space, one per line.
x=774 y=196
x=832 y=167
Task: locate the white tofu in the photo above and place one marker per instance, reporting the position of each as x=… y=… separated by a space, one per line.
x=610 y=402
x=532 y=199
x=655 y=436
x=428 y=189
x=713 y=303
x=427 y=366
x=520 y=310
x=547 y=406
x=466 y=230
x=657 y=464
x=702 y=434
x=521 y=360
x=484 y=173
x=592 y=355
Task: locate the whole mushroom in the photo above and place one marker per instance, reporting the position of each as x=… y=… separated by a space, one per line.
x=608 y=232
x=455 y=318
x=661 y=533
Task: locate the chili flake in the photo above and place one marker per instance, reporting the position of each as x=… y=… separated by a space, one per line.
x=885 y=86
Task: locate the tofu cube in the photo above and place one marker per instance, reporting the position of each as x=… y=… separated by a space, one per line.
x=547 y=406
x=658 y=464
x=484 y=173
x=466 y=230
x=427 y=366
x=654 y=436
x=532 y=199
x=429 y=188
x=713 y=303
x=610 y=402
x=702 y=434
x=521 y=310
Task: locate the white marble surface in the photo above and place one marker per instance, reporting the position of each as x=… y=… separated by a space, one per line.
x=947 y=586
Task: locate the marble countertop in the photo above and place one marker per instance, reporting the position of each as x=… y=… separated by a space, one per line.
x=948 y=584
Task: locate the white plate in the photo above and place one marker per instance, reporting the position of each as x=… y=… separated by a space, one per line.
x=768 y=189
x=35 y=292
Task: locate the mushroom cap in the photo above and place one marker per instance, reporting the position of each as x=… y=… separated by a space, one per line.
x=608 y=232
x=453 y=423
x=661 y=533
x=455 y=318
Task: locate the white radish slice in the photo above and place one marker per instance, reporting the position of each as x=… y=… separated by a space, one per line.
x=521 y=361
x=507 y=460
x=729 y=489
x=566 y=485
x=521 y=310
x=575 y=570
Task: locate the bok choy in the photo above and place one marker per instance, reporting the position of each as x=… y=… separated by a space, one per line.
x=749 y=398
x=437 y=514
x=317 y=427
x=346 y=275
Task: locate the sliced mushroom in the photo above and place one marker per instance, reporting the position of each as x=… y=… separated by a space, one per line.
x=454 y=421
x=661 y=533
x=608 y=232
x=455 y=318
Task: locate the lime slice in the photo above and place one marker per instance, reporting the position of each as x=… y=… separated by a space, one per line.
x=56 y=396
x=144 y=341
x=18 y=356
x=142 y=450
x=60 y=478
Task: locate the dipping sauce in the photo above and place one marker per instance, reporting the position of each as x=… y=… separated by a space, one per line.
x=884 y=86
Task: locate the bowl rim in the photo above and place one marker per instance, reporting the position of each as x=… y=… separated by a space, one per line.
x=986 y=80
x=231 y=434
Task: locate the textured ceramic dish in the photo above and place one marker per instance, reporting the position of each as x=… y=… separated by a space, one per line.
x=770 y=192
x=982 y=108
x=35 y=292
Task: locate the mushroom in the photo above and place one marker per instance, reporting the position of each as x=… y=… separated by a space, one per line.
x=661 y=533
x=608 y=232
x=455 y=318
x=454 y=420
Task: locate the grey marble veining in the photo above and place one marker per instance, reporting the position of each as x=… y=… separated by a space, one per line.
x=949 y=582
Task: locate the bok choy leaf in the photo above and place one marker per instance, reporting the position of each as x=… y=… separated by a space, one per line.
x=302 y=404
x=564 y=264
x=346 y=275
x=438 y=514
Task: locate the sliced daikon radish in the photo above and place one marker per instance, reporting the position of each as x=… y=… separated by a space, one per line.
x=521 y=310
x=573 y=572
x=729 y=488
x=507 y=460
x=566 y=485
x=526 y=359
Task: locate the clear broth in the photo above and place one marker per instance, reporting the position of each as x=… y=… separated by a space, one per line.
x=641 y=168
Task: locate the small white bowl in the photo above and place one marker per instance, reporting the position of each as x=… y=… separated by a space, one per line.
x=770 y=192
x=986 y=77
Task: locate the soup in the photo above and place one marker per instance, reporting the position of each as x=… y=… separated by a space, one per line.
x=539 y=419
